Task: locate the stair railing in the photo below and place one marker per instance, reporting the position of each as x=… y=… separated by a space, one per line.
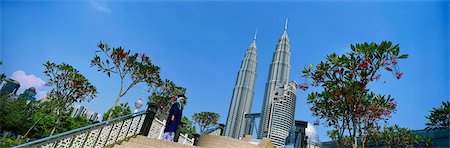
x=100 y=134
x=95 y=135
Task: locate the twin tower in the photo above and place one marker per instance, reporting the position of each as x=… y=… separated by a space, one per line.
x=277 y=113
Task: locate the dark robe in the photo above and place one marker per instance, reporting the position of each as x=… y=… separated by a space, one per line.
x=172 y=126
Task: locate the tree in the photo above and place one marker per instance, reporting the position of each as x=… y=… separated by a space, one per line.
x=205 y=120
x=164 y=93
x=122 y=63
x=345 y=103
x=2 y=75
x=187 y=128
x=439 y=117
x=16 y=113
x=395 y=136
x=46 y=122
x=69 y=86
x=121 y=110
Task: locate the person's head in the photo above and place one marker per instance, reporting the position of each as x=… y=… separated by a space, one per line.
x=182 y=99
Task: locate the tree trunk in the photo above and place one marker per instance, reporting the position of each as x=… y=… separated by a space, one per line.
x=355 y=136
x=115 y=104
x=56 y=124
x=25 y=136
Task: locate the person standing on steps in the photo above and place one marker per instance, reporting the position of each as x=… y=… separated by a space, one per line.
x=174 y=118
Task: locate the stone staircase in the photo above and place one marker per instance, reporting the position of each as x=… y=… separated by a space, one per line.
x=205 y=141
x=213 y=141
x=145 y=142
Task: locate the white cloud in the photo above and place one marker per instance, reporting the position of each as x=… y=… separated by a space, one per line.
x=41 y=94
x=100 y=6
x=27 y=81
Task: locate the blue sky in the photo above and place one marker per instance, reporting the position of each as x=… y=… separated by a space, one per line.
x=199 y=45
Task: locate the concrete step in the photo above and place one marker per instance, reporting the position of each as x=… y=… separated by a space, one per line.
x=224 y=142
x=136 y=145
x=157 y=143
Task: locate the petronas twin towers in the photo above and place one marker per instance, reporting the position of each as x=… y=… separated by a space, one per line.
x=277 y=113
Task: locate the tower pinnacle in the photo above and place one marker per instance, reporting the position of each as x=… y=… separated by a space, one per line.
x=285 y=25
x=254 y=36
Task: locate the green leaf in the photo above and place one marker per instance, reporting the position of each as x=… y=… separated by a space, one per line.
x=387 y=68
x=404 y=56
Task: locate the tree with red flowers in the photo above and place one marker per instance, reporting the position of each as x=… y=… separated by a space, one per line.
x=69 y=86
x=134 y=67
x=346 y=103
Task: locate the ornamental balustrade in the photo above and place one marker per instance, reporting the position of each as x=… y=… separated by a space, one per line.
x=109 y=132
x=157 y=131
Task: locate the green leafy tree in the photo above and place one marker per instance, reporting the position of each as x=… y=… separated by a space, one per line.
x=69 y=86
x=136 y=67
x=164 y=93
x=395 y=136
x=4 y=101
x=44 y=121
x=205 y=120
x=439 y=117
x=345 y=103
x=121 y=110
x=69 y=123
x=188 y=127
x=2 y=75
x=16 y=114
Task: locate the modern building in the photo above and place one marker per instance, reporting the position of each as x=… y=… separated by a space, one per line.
x=92 y=115
x=303 y=135
x=29 y=94
x=250 y=124
x=243 y=92
x=278 y=78
x=281 y=113
x=312 y=138
x=9 y=86
x=79 y=110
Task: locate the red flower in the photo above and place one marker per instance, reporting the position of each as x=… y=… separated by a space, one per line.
x=399 y=75
x=364 y=64
x=122 y=54
x=303 y=87
x=393 y=104
x=393 y=61
x=47 y=74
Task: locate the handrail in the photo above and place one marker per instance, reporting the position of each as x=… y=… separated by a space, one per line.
x=210 y=130
x=70 y=133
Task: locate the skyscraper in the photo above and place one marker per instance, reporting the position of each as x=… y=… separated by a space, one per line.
x=278 y=78
x=243 y=92
x=281 y=116
x=29 y=94
x=9 y=86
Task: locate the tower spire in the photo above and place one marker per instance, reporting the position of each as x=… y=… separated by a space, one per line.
x=285 y=25
x=254 y=36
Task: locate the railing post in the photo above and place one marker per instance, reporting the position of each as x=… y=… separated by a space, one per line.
x=222 y=127
x=185 y=138
x=196 y=137
x=161 y=131
x=149 y=116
